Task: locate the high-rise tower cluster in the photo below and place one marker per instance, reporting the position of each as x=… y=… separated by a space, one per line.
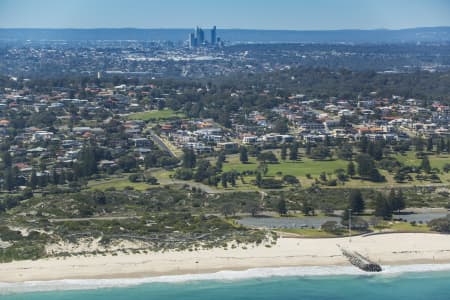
x=197 y=38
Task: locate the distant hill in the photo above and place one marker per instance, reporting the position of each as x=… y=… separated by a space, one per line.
x=431 y=34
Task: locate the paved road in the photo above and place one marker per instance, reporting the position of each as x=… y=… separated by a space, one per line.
x=160 y=143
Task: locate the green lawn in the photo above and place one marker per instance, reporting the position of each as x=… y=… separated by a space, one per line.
x=295 y=168
x=155 y=115
x=436 y=161
x=403 y=227
x=298 y=169
x=315 y=167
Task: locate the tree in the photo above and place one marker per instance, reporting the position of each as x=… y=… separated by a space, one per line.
x=356 y=200
x=203 y=170
x=262 y=168
x=308 y=149
x=281 y=126
x=189 y=159
x=363 y=144
x=224 y=180
x=7 y=159
x=281 y=207
x=321 y=152
x=340 y=175
x=446 y=168
x=268 y=156
x=243 y=155
x=378 y=151
x=441 y=145
x=227 y=209
x=258 y=180
x=183 y=174
x=371 y=148
x=367 y=169
x=419 y=144
x=376 y=176
x=221 y=157
x=430 y=144
x=365 y=165
x=9 y=181
x=283 y=153
x=43 y=180
x=99 y=197
x=232 y=179
x=33 y=180
x=307 y=207
x=425 y=164
x=397 y=200
x=219 y=165
x=345 y=152
x=293 y=153
x=88 y=161
x=351 y=169
x=54 y=177
x=127 y=163
x=382 y=207
x=252 y=206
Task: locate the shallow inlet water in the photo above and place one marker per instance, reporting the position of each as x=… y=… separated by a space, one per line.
x=316 y=222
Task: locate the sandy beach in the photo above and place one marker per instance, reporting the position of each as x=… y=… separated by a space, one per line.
x=388 y=249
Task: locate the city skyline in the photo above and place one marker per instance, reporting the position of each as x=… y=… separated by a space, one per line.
x=197 y=38
x=250 y=14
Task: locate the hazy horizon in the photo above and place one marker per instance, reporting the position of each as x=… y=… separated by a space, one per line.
x=298 y=15
x=218 y=28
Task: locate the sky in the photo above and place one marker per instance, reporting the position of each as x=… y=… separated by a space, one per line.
x=248 y=14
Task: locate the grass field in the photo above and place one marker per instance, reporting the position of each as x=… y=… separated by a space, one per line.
x=436 y=161
x=407 y=227
x=118 y=184
x=295 y=168
x=306 y=166
x=401 y=227
x=298 y=169
x=155 y=115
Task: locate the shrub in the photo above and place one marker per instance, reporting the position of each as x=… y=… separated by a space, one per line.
x=290 y=179
x=133 y=178
x=332 y=227
x=270 y=183
x=184 y=174
x=440 y=224
x=152 y=180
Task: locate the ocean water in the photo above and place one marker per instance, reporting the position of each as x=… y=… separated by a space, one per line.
x=316 y=283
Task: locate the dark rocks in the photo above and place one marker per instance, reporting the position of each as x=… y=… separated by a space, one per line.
x=361 y=262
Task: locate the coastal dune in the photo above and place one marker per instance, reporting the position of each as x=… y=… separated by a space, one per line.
x=388 y=249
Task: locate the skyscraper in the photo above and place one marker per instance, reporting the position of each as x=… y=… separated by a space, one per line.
x=192 y=40
x=197 y=38
x=213 y=36
x=200 y=36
